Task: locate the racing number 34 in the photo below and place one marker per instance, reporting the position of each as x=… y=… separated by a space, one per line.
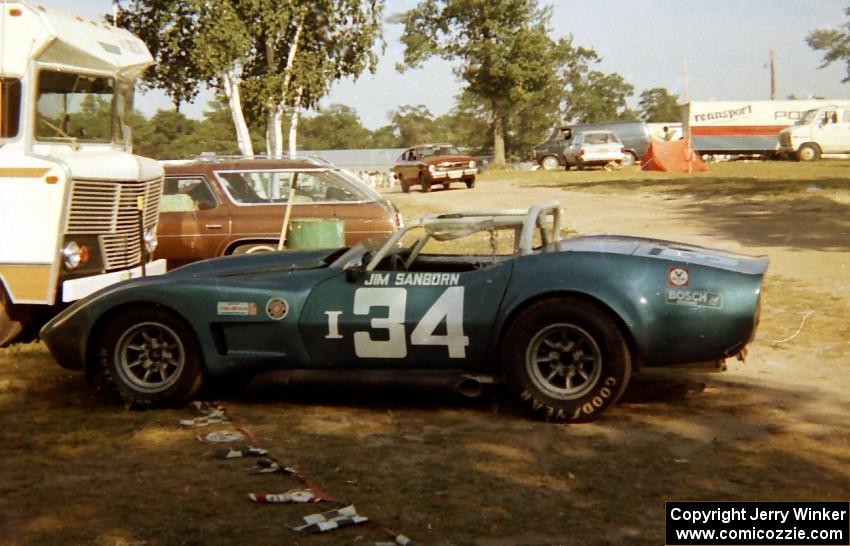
x=448 y=308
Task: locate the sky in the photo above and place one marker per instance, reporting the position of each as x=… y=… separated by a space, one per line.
x=725 y=45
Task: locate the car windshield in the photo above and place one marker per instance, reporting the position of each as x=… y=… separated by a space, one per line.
x=808 y=117
x=265 y=187
x=431 y=151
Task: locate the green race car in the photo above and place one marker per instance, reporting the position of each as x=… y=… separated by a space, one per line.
x=460 y=298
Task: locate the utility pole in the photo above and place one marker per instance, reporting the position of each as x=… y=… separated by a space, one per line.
x=772 y=74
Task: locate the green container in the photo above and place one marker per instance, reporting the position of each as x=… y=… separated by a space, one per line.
x=308 y=233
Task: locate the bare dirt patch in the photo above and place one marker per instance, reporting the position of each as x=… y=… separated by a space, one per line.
x=77 y=469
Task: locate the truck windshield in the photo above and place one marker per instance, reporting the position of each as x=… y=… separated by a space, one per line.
x=808 y=117
x=80 y=108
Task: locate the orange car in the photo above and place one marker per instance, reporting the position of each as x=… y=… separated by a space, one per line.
x=220 y=206
x=431 y=164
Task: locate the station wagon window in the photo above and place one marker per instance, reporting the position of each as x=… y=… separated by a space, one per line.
x=272 y=187
x=10 y=107
x=186 y=195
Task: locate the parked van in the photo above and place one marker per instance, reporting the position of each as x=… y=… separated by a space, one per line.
x=634 y=135
x=824 y=130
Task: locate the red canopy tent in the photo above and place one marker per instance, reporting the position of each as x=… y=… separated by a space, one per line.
x=677 y=156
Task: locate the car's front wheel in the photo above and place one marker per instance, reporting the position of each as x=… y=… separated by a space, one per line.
x=150 y=357
x=808 y=152
x=549 y=163
x=566 y=359
x=470 y=182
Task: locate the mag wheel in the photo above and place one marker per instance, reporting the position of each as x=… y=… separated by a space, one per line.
x=150 y=357
x=566 y=359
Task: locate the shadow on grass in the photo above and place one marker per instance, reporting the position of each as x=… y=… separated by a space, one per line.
x=77 y=469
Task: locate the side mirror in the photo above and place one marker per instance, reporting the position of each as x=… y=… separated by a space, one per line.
x=205 y=205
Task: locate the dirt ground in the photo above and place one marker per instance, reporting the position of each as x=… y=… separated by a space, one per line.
x=77 y=469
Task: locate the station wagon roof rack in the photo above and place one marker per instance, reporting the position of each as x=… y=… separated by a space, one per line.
x=213 y=157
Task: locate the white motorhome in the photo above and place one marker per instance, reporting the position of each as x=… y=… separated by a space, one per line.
x=78 y=211
x=742 y=127
x=824 y=130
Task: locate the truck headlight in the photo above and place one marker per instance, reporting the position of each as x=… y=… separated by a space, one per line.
x=472 y=164
x=151 y=241
x=74 y=255
x=431 y=168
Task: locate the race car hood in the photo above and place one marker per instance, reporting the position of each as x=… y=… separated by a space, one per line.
x=667 y=250
x=253 y=264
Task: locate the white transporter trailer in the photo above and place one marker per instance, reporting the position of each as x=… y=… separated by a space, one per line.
x=742 y=127
x=78 y=210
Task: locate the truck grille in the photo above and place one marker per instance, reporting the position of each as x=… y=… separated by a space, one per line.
x=108 y=209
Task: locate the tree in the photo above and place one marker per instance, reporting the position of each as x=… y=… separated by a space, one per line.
x=335 y=128
x=834 y=43
x=502 y=48
x=414 y=125
x=657 y=104
x=193 y=43
x=280 y=53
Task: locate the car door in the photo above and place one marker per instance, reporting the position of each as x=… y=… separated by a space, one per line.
x=193 y=223
x=403 y=319
x=833 y=134
x=406 y=167
x=836 y=133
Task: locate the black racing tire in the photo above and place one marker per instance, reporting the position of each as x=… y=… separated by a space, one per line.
x=808 y=152
x=150 y=357
x=470 y=182
x=566 y=359
x=13 y=319
x=424 y=184
x=254 y=248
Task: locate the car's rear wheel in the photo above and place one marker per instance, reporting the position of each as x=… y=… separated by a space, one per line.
x=549 y=163
x=566 y=359
x=13 y=319
x=629 y=159
x=254 y=248
x=470 y=182
x=150 y=357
